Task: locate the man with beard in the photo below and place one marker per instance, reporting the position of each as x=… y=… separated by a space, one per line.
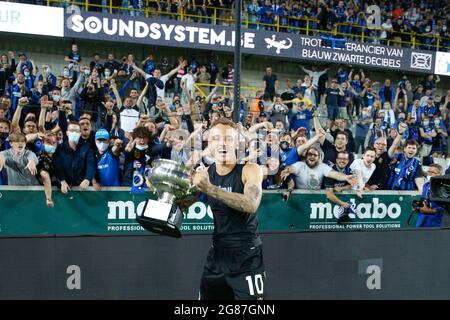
x=309 y=174
x=406 y=171
x=333 y=186
x=378 y=180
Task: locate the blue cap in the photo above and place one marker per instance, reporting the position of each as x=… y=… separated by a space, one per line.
x=263 y=114
x=102 y=134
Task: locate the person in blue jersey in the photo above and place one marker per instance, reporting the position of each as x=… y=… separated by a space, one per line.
x=334 y=186
x=405 y=170
x=427 y=133
x=368 y=96
x=28 y=78
x=342 y=74
x=95 y=64
x=302 y=115
x=430 y=214
x=24 y=62
x=47 y=77
x=107 y=157
x=332 y=97
x=357 y=86
x=18 y=90
x=149 y=64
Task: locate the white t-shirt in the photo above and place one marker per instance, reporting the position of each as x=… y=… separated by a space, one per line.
x=366 y=173
x=310 y=178
x=189 y=81
x=129 y=119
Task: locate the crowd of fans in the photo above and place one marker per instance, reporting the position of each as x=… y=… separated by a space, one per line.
x=102 y=122
x=425 y=21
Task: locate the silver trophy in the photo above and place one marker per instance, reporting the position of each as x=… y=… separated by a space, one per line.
x=170 y=180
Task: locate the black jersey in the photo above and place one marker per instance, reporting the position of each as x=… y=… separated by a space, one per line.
x=231 y=227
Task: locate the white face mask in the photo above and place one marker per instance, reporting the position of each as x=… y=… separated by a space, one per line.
x=66 y=73
x=141 y=147
x=56 y=98
x=87 y=72
x=49 y=70
x=102 y=146
x=74 y=137
x=26 y=74
x=107 y=74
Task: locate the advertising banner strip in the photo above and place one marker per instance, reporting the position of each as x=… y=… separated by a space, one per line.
x=74 y=23
x=165 y=32
x=114 y=211
x=31 y=19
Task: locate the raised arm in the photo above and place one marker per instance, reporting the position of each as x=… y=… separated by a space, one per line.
x=17 y=114
x=401 y=128
x=310 y=142
x=318 y=128
x=45 y=104
x=247 y=202
x=116 y=94
x=142 y=95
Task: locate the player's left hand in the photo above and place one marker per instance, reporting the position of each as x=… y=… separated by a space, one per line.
x=201 y=178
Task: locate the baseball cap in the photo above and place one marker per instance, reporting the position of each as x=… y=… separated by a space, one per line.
x=21 y=54
x=102 y=134
x=263 y=114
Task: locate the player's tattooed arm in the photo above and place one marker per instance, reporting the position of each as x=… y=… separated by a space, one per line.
x=250 y=200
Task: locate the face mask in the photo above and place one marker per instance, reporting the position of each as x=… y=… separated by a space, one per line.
x=4 y=135
x=49 y=70
x=141 y=148
x=74 y=137
x=427 y=29
x=26 y=74
x=102 y=146
x=401 y=119
x=49 y=149
x=56 y=98
x=66 y=73
x=107 y=74
x=87 y=72
x=437 y=122
x=4 y=61
x=426 y=123
x=284 y=145
x=444 y=28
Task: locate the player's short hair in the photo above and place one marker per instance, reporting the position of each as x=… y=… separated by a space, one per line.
x=225 y=122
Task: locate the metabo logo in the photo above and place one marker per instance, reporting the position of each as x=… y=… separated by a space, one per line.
x=126 y=210
x=374 y=210
x=122 y=216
